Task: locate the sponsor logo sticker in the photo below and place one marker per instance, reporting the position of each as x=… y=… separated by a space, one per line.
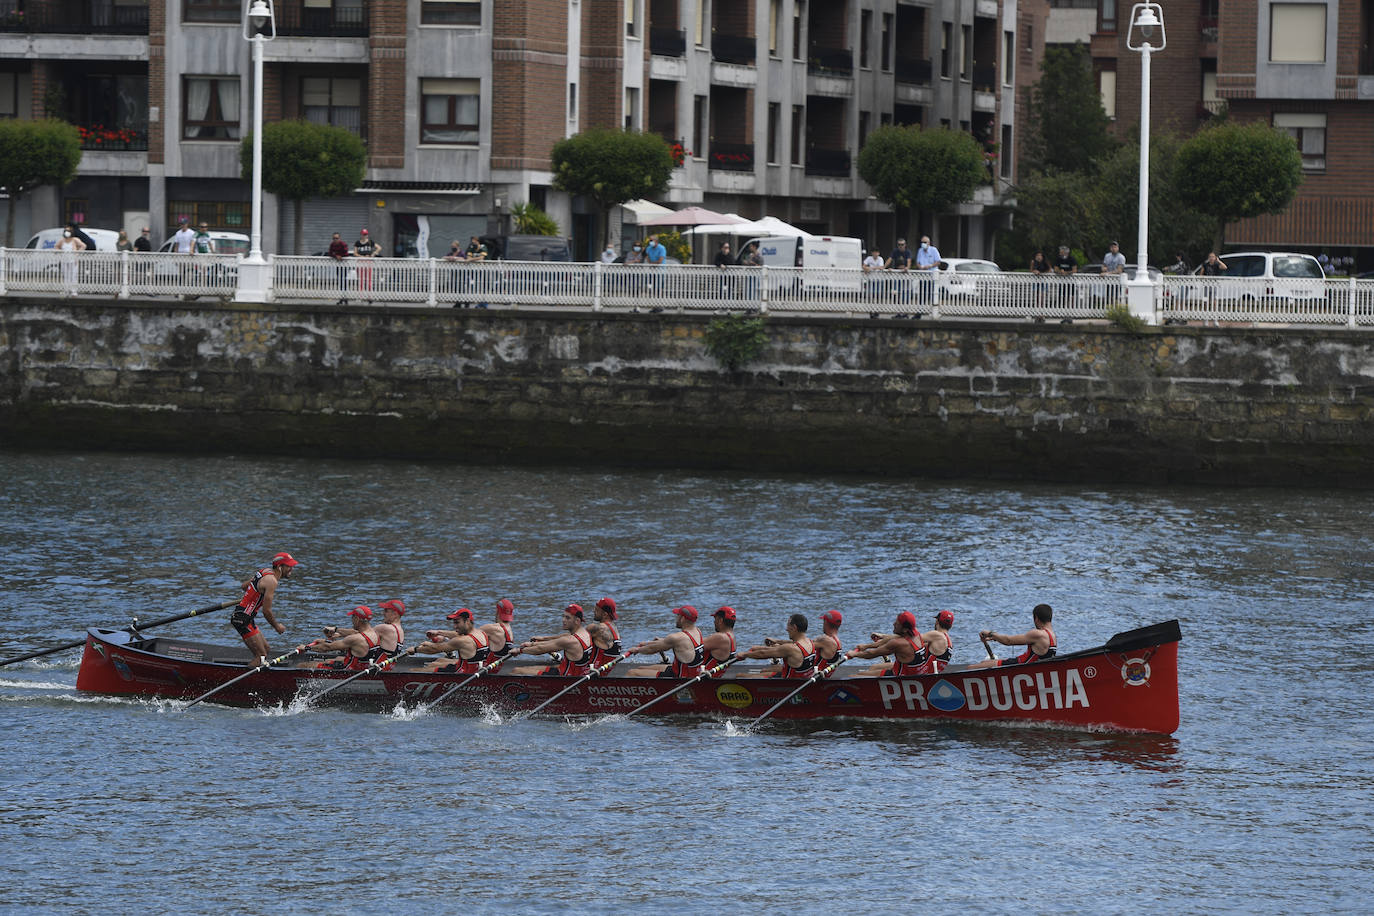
x=1136 y=672
x=843 y=696
x=734 y=696
x=945 y=697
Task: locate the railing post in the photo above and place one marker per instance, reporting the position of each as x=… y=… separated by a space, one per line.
x=1350 y=312
x=433 y=282
x=596 y=285
x=4 y=265
x=763 y=290
x=124 y=275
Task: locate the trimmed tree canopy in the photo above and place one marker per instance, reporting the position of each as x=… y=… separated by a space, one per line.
x=921 y=169
x=1235 y=171
x=612 y=166
x=301 y=160
x=35 y=153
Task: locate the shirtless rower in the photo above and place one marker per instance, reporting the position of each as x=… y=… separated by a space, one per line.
x=605 y=637
x=469 y=644
x=720 y=645
x=575 y=643
x=259 y=593
x=903 y=644
x=828 y=648
x=686 y=644
x=1039 y=641
x=797 y=653
x=360 y=645
x=389 y=632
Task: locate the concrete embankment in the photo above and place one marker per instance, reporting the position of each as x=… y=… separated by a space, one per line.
x=979 y=399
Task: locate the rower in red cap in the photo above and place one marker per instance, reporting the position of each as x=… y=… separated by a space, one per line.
x=797 y=652
x=388 y=632
x=605 y=637
x=687 y=646
x=258 y=595
x=575 y=644
x=720 y=645
x=828 y=646
x=904 y=644
x=359 y=645
x=499 y=635
x=468 y=641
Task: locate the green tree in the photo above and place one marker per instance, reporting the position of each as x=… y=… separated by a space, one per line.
x=911 y=168
x=1175 y=226
x=1069 y=130
x=32 y=154
x=1061 y=208
x=530 y=220
x=612 y=166
x=1236 y=171
x=302 y=161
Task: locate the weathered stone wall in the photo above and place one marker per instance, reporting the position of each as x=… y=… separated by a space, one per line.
x=1222 y=405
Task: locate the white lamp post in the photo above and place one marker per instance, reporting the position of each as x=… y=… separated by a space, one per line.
x=1146 y=36
x=259 y=26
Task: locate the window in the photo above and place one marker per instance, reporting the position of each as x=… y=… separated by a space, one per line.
x=798 y=20
x=212 y=11
x=75 y=209
x=699 y=124
x=335 y=102
x=1297 y=33
x=1106 y=87
x=946 y=39
x=631 y=108
x=774 y=128
x=1005 y=151
x=630 y=17
x=966 y=52
x=701 y=22
x=223 y=214
x=886 y=50
x=1309 y=130
x=798 y=131
x=865 y=121
x=1107 y=16
x=865 y=27
x=1008 y=58
x=773 y=25
x=572 y=101
x=210 y=108
x=451 y=12
x=9 y=95
x=449 y=111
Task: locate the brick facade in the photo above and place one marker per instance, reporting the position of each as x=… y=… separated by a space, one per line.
x=599 y=99
x=529 y=82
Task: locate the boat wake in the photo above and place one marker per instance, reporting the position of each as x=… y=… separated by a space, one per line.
x=36 y=685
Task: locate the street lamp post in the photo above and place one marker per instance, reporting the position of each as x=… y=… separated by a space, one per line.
x=1146 y=36
x=259 y=27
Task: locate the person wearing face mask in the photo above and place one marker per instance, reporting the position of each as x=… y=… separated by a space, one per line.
x=67 y=247
x=927 y=261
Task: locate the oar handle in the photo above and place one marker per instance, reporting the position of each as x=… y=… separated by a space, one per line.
x=984 y=640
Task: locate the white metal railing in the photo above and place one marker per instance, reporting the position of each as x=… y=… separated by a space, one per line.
x=681 y=288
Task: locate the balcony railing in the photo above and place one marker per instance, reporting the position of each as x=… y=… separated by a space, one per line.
x=323 y=22
x=100 y=137
x=75 y=17
x=731 y=157
x=668 y=42
x=908 y=70
x=839 y=61
x=732 y=49
x=833 y=163
x=985 y=76
x=1207 y=27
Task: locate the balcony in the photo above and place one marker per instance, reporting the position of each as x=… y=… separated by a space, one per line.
x=985 y=76
x=668 y=42
x=733 y=49
x=913 y=71
x=833 y=163
x=338 y=21
x=1207 y=28
x=74 y=17
x=113 y=139
x=831 y=61
x=731 y=157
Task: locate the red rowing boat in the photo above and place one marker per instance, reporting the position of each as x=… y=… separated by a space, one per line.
x=1129 y=684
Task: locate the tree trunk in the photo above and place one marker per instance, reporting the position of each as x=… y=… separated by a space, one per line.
x=9 y=220
x=300 y=230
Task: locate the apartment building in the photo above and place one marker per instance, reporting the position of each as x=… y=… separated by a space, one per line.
x=460 y=101
x=1306 y=67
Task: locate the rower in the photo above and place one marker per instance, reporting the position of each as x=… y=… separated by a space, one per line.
x=605 y=637
x=360 y=645
x=828 y=646
x=499 y=635
x=258 y=594
x=903 y=644
x=797 y=652
x=389 y=631
x=469 y=643
x=575 y=643
x=1039 y=641
x=686 y=644
x=720 y=645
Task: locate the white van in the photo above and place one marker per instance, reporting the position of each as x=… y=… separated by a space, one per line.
x=105 y=239
x=841 y=258
x=1285 y=276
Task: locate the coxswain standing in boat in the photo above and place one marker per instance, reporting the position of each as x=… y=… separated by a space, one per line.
x=467 y=642
x=389 y=632
x=828 y=648
x=720 y=645
x=360 y=645
x=1039 y=641
x=687 y=646
x=605 y=637
x=575 y=644
x=905 y=646
x=797 y=652
x=259 y=593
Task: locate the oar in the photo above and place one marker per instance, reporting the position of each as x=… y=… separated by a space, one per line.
x=600 y=669
x=991 y=654
x=249 y=673
x=709 y=672
x=370 y=669
x=131 y=628
x=806 y=683
x=463 y=683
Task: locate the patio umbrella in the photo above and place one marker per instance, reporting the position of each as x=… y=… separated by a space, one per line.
x=691 y=216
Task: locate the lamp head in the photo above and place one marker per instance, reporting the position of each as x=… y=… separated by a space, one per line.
x=259 y=13
x=1148 y=22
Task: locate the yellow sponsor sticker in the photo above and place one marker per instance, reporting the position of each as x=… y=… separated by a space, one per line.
x=734 y=696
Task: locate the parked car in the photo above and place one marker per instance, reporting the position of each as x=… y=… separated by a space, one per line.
x=224 y=242
x=223 y=277
x=528 y=248
x=965 y=278
x=105 y=239
x=1279 y=276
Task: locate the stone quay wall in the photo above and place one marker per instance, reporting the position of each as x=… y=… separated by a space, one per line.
x=893 y=397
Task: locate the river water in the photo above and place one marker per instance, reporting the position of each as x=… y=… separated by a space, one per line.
x=1260 y=802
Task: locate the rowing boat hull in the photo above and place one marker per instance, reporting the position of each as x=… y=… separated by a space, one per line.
x=1130 y=684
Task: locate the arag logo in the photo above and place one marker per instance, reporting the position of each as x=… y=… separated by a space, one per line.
x=734 y=696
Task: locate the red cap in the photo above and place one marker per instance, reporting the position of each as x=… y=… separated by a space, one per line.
x=575 y=610
x=727 y=612
x=461 y=612
x=906 y=618
x=284 y=559
x=946 y=617
x=686 y=611
x=505 y=610
x=362 y=611
x=608 y=605
x=833 y=616
x=364 y=232
x=395 y=604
